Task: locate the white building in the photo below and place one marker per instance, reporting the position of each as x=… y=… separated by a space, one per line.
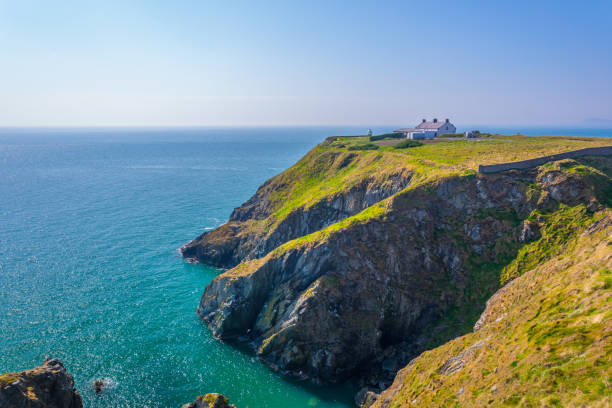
x=428 y=130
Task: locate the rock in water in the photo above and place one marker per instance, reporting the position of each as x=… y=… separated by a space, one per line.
x=98 y=385
x=210 y=401
x=47 y=386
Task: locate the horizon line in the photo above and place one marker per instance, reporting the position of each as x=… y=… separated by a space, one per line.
x=366 y=126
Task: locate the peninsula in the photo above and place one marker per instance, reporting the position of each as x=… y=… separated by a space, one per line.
x=397 y=265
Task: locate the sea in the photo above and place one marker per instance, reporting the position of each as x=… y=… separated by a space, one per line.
x=91 y=220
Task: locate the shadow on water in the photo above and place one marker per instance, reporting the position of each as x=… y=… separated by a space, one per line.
x=343 y=392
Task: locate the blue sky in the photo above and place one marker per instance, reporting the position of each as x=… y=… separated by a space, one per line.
x=191 y=63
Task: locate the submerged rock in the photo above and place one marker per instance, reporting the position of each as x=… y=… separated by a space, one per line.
x=210 y=401
x=47 y=386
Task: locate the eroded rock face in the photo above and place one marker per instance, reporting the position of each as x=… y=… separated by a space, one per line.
x=47 y=386
x=355 y=301
x=210 y=401
x=235 y=241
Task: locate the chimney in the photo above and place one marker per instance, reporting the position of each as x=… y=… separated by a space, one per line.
x=424 y=121
x=446 y=120
x=435 y=120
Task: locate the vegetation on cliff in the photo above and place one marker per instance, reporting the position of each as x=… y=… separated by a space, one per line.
x=352 y=263
x=333 y=182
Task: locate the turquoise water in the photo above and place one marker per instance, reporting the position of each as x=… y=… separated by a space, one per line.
x=90 y=224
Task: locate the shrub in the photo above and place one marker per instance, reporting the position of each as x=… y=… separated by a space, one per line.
x=450 y=135
x=395 y=135
x=407 y=143
x=365 y=146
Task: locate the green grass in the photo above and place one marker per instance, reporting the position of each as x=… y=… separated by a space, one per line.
x=407 y=143
x=364 y=146
x=394 y=135
x=557 y=232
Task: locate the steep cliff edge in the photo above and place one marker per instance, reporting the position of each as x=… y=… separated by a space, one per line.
x=324 y=187
x=363 y=296
x=46 y=386
x=544 y=340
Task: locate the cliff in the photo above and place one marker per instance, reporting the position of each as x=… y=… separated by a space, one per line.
x=543 y=340
x=362 y=291
x=324 y=187
x=46 y=386
x=334 y=181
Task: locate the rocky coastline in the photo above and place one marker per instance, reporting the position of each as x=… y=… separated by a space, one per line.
x=416 y=285
x=51 y=386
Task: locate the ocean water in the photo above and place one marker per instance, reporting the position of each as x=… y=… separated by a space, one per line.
x=90 y=224
x=542 y=130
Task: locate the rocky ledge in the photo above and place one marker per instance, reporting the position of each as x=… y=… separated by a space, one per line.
x=46 y=386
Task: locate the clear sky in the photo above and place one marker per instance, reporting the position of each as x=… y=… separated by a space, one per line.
x=191 y=63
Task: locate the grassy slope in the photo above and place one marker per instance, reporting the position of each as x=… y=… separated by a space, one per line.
x=331 y=167
x=548 y=342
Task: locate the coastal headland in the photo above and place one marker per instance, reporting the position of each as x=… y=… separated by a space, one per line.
x=365 y=254
x=402 y=268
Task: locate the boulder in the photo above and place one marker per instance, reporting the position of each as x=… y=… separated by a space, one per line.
x=212 y=400
x=46 y=386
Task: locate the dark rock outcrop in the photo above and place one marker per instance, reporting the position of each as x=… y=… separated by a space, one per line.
x=357 y=300
x=365 y=398
x=47 y=386
x=210 y=401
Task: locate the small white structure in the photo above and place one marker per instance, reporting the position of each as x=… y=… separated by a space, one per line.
x=428 y=130
x=474 y=134
x=369 y=132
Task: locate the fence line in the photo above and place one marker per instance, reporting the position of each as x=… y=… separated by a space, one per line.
x=525 y=164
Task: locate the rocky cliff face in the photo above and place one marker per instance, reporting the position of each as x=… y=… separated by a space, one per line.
x=365 y=295
x=255 y=228
x=543 y=339
x=47 y=386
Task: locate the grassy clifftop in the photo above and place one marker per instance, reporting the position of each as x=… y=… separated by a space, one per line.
x=335 y=164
